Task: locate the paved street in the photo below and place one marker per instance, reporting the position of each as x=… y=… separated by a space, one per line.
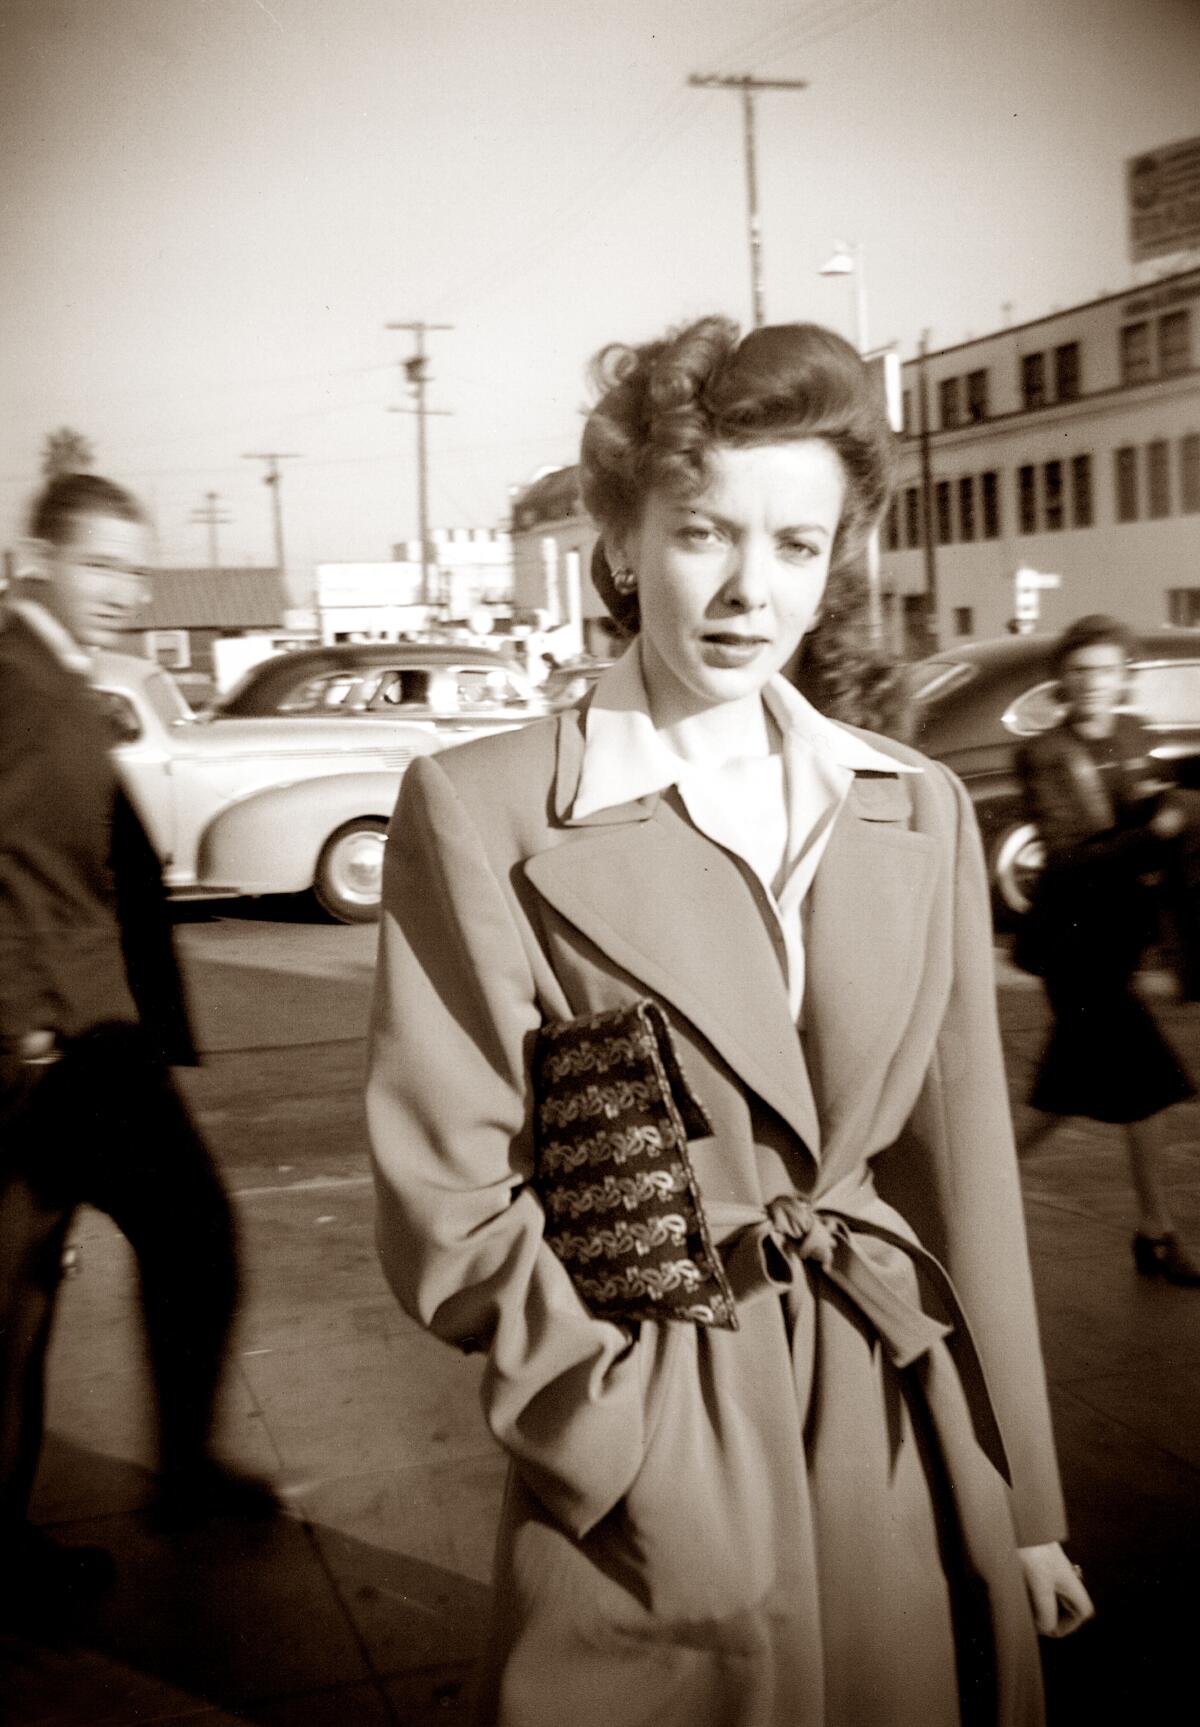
x=365 y=1606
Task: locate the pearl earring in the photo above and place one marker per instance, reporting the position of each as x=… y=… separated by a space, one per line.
x=624 y=579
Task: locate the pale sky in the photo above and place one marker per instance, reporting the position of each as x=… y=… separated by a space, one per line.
x=209 y=210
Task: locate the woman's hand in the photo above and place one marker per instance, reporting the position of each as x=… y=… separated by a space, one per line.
x=1060 y=1602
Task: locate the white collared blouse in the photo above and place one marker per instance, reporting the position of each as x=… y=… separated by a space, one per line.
x=774 y=811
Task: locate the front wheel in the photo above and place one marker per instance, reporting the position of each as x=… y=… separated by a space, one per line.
x=1018 y=857
x=349 y=874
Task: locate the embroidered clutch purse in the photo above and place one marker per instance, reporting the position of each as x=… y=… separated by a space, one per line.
x=612 y=1118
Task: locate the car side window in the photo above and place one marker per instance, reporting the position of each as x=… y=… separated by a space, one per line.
x=121 y=717
x=1168 y=694
x=318 y=695
x=1035 y=711
x=444 y=694
x=486 y=687
x=399 y=688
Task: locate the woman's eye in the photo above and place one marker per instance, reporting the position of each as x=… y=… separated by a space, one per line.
x=799 y=551
x=697 y=534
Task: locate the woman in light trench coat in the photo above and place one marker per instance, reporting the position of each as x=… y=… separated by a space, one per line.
x=845 y=1512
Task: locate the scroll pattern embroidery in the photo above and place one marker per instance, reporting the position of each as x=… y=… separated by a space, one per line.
x=612 y=1117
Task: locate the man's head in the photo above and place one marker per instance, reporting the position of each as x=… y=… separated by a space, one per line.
x=87 y=558
x=1091 y=662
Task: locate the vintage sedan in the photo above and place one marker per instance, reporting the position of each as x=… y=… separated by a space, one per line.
x=441 y=686
x=238 y=806
x=977 y=702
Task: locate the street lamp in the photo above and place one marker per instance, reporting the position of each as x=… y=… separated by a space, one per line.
x=847 y=260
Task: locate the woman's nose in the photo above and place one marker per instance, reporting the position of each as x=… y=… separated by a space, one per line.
x=746 y=584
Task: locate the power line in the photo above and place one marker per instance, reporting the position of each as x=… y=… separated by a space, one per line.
x=609 y=182
x=807 y=25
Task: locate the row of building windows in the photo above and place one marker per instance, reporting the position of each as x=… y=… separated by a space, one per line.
x=1150 y=348
x=964 y=400
x=1037 y=377
x=1143 y=481
x=1183 y=610
x=1156 y=347
x=1042 y=496
x=1052 y=496
x=966 y=509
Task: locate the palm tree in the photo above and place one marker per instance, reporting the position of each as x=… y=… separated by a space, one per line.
x=66 y=452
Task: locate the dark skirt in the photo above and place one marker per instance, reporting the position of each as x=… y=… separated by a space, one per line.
x=1106 y=1057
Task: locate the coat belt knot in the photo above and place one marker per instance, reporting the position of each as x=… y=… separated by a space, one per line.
x=768 y=1250
x=801 y=1229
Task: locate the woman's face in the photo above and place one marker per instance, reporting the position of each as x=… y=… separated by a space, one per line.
x=730 y=580
x=1092 y=681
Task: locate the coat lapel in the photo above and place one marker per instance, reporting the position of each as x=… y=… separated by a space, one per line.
x=679 y=914
x=866 y=934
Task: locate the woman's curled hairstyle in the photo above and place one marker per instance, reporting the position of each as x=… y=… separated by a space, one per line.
x=664 y=406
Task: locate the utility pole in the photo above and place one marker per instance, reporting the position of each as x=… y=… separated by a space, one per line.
x=927 y=521
x=273 y=478
x=416 y=370
x=210 y=513
x=748 y=87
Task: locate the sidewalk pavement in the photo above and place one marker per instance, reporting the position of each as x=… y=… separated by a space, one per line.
x=365 y=1604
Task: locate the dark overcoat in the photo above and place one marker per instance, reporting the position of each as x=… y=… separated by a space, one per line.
x=85 y=933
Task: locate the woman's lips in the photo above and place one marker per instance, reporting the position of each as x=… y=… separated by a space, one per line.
x=727 y=648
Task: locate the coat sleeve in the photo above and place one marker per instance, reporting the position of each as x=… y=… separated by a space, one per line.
x=460 y=1228
x=963 y=1194
x=27 y=997
x=1072 y=841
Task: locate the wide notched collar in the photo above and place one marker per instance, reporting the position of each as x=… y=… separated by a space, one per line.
x=569 y=766
x=682 y=917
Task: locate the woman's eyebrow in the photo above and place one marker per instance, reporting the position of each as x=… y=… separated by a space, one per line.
x=685 y=510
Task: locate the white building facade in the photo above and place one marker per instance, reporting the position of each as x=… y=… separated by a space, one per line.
x=1069 y=446
x=470 y=573
x=553 y=538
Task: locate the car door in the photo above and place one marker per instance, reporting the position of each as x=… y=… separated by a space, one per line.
x=1166 y=693
x=142 y=752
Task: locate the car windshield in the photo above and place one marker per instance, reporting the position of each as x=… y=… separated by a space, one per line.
x=932 y=680
x=166 y=698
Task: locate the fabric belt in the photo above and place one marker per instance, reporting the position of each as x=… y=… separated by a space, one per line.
x=767 y=1249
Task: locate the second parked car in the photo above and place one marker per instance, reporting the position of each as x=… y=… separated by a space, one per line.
x=440 y=686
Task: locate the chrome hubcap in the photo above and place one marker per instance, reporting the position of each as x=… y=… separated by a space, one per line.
x=1018 y=862
x=356 y=868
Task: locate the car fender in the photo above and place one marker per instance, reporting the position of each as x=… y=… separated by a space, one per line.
x=269 y=841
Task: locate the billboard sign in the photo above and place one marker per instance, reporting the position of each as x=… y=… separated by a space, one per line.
x=1163 y=190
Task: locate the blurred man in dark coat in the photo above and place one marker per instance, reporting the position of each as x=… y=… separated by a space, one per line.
x=92 y=1017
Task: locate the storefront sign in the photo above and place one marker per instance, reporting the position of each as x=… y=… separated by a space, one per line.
x=1164 y=200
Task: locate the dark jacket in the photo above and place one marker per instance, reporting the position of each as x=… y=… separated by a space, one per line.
x=85 y=937
x=1098 y=849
